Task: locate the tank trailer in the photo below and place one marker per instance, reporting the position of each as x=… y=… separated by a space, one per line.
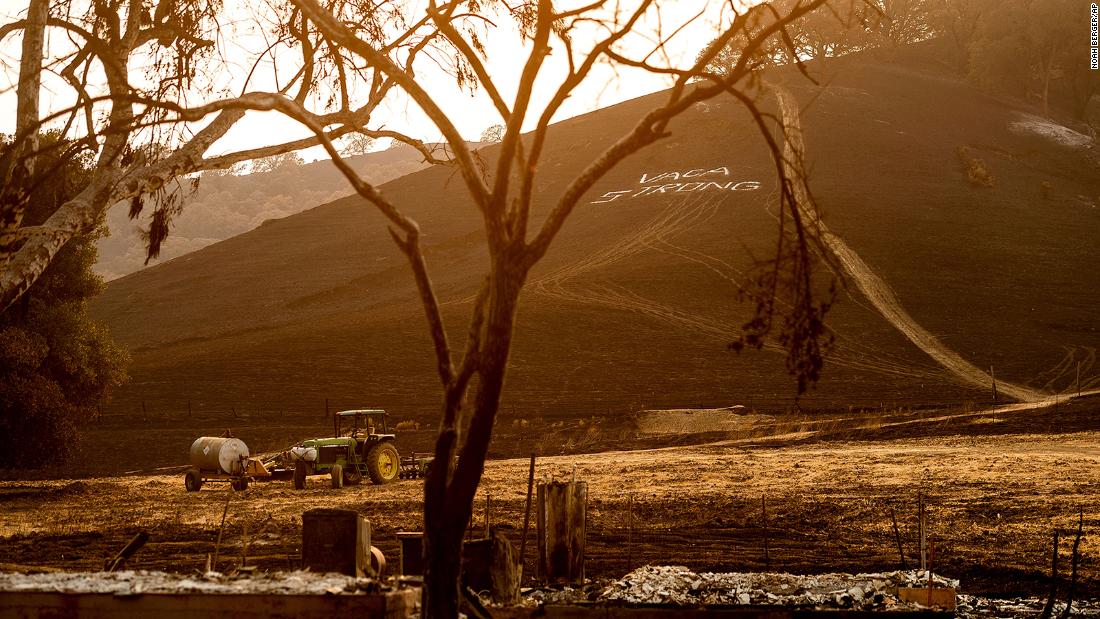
x=221 y=459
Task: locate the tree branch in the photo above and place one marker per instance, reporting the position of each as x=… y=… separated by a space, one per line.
x=341 y=35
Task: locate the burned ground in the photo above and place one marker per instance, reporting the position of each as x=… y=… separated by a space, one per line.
x=636 y=302
x=997 y=484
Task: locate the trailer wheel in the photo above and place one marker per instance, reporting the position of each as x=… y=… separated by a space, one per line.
x=300 y=472
x=192 y=480
x=337 y=476
x=240 y=485
x=383 y=463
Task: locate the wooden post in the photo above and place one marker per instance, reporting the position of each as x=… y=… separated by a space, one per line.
x=1049 y=608
x=492 y=565
x=411 y=553
x=923 y=532
x=527 y=512
x=1074 y=558
x=221 y=530
x=630 y=533
x=127 y=551
x=562 y=508
x=897 y=536
x=764 y=518
x=336 y=540
x=488 y=513
x=994 y=378
x=931 y=551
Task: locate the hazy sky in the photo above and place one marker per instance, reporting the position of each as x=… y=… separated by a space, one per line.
x=471 y=115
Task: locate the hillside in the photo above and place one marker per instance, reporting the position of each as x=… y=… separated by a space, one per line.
x=634 y=305
x=225 y=206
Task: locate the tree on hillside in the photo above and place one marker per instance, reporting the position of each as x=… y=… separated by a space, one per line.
x=494 y=133
x=232 y=170
x=56 y=365
x=348 y=60
x=276 y=162
x=356 y=144
x=834 y=30
x=958 y=21
x=896 y=23
x=1022 y=45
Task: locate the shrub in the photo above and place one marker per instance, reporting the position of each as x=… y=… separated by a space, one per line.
x=976 y=170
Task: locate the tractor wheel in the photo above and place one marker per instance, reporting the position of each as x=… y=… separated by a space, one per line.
x=383 y=463
x=192 y=480
x=240 y=485
x=337 y=476
x=300 y=472
x=352 y=476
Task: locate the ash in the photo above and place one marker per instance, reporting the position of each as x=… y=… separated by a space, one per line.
x=138 y=582
x=682 y=587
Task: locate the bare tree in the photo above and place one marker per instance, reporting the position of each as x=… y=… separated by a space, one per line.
x=503 y=193
x=351 y=56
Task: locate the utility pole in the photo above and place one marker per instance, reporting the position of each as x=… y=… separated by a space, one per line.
x=994 y=377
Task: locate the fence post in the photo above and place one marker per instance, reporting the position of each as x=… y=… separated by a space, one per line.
x=527 y=513
x=562 y=508
x=630 y=533
x=764 y=517
x=923 y=532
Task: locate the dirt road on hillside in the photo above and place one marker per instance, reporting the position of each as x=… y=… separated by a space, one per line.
x=659 y=234
x=877 y=291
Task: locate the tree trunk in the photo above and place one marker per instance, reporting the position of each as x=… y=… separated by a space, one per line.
x=442 y=565
x=19 y=168
x=449 y=495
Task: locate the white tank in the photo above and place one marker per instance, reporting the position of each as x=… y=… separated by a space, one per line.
x=223 y=455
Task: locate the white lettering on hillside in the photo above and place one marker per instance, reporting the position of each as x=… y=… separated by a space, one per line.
x=709 y=179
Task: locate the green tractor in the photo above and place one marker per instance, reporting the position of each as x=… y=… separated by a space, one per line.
x=362 y=447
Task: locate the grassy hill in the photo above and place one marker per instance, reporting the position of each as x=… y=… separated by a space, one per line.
x=634 y=305
x=224 y=206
